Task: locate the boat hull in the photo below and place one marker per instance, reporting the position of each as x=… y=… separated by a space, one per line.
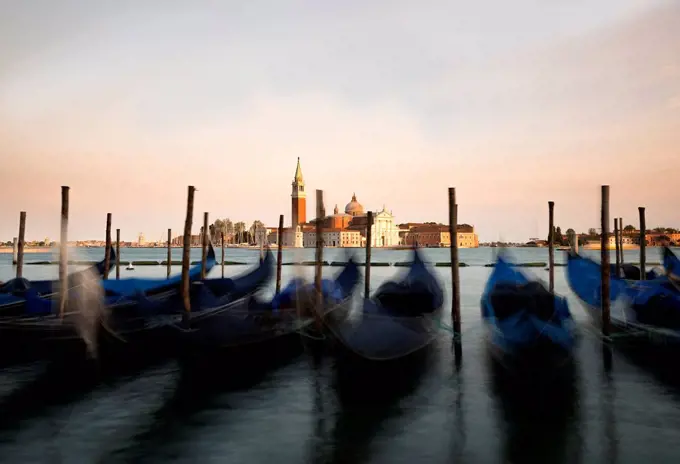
x=539 y=360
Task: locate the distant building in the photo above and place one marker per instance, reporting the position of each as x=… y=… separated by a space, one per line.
x=333 y=238
x=346 y=229
x=438 y=235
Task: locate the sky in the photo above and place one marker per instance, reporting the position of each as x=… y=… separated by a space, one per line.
x=512 y=103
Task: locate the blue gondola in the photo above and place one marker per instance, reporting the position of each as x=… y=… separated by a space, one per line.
x=247 y=321
x=529 y=328
x=21 y=296
x=400 y=319
x=142 y=316
x=116 y=290
x=671 y=264
x=644 y=310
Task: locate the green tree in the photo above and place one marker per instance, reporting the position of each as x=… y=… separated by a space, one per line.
x=239 y=231
x=217 y=230
x=629 y=228
x=592 y=232
x=256 y=230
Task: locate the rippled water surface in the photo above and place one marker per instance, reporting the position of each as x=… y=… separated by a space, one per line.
x=293 y=412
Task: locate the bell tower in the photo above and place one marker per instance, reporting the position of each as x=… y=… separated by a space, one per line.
x=299 y=198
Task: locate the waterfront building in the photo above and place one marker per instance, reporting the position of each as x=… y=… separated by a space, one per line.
x=438 y=235
x=333 y=238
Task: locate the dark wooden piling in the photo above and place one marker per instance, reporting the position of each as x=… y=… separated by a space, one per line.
x=319 y=256
x=117 y=254
x=455 y=276
x=15 y=251
x=621 y=240
x=222 y=239
x=604 y=259
x=169 y=264
x=186 y=252
x=643 y=244
x=616 y=241
x=551 y=246
x=279 y=254
x=63 y=251
x=369 y=238
x=107 y=249
x=204 y=246
x=20 y=245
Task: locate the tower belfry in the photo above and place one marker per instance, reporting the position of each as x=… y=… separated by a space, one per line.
x=299 y=198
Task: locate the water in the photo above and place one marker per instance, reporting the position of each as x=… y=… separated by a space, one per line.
x=293 y=414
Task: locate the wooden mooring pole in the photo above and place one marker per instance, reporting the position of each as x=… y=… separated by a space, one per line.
x=117 y=254
x=169 y=261
x=279 y=254
x=222 y=238
x=616 y=240
x=107 y=249
x=369 y=239
x=186 y=252
x=455 y=276
x=15 y=251
x=643 y=244
x=63 y=252
x=621 y=240
x=320 y=214
x=20 y=247
x=204 y=246
x=604 y=259
x=551 y=246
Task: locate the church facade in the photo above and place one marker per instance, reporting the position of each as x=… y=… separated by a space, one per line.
x=340 y=229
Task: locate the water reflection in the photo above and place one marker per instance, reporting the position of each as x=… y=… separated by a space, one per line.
x=202 y=389
x=537 y=416
x=369 y=396
x=459 y=438
x=607 y=400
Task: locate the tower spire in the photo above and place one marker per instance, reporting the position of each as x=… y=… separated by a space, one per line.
x=298 y=172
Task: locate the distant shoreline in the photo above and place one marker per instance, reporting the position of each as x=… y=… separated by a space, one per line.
x=29 y=250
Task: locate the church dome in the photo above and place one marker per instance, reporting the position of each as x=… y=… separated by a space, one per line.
x=354 y=208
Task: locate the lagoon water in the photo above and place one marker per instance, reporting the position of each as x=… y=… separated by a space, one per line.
x=292 y=414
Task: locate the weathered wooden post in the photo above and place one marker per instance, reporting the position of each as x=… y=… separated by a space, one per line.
x=621 y=239
x=15 y=251
x=20 y=247
x=643 y=244
x=186 y=253
x=369 y=239
x=169 y=262
x=551 y=246
x=604 y=259
x=616 y=240
x=117 y=254
x=63 y=252
x=455 y=275
x=319 y=256
x=279 y=254
x=222 y=238
x=107 y=249
x=204 y=246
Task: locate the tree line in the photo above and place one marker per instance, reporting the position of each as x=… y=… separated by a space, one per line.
x=592 y=234
x=237 y=232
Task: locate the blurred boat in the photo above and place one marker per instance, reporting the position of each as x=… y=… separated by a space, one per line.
x=245 y=324
x=384 y=331
x=530 y=329
x=15 y=293
x=117 y=290
x=643 y=311
x=671 y=264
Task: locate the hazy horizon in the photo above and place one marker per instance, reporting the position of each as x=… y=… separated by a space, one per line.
x=512 y=104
